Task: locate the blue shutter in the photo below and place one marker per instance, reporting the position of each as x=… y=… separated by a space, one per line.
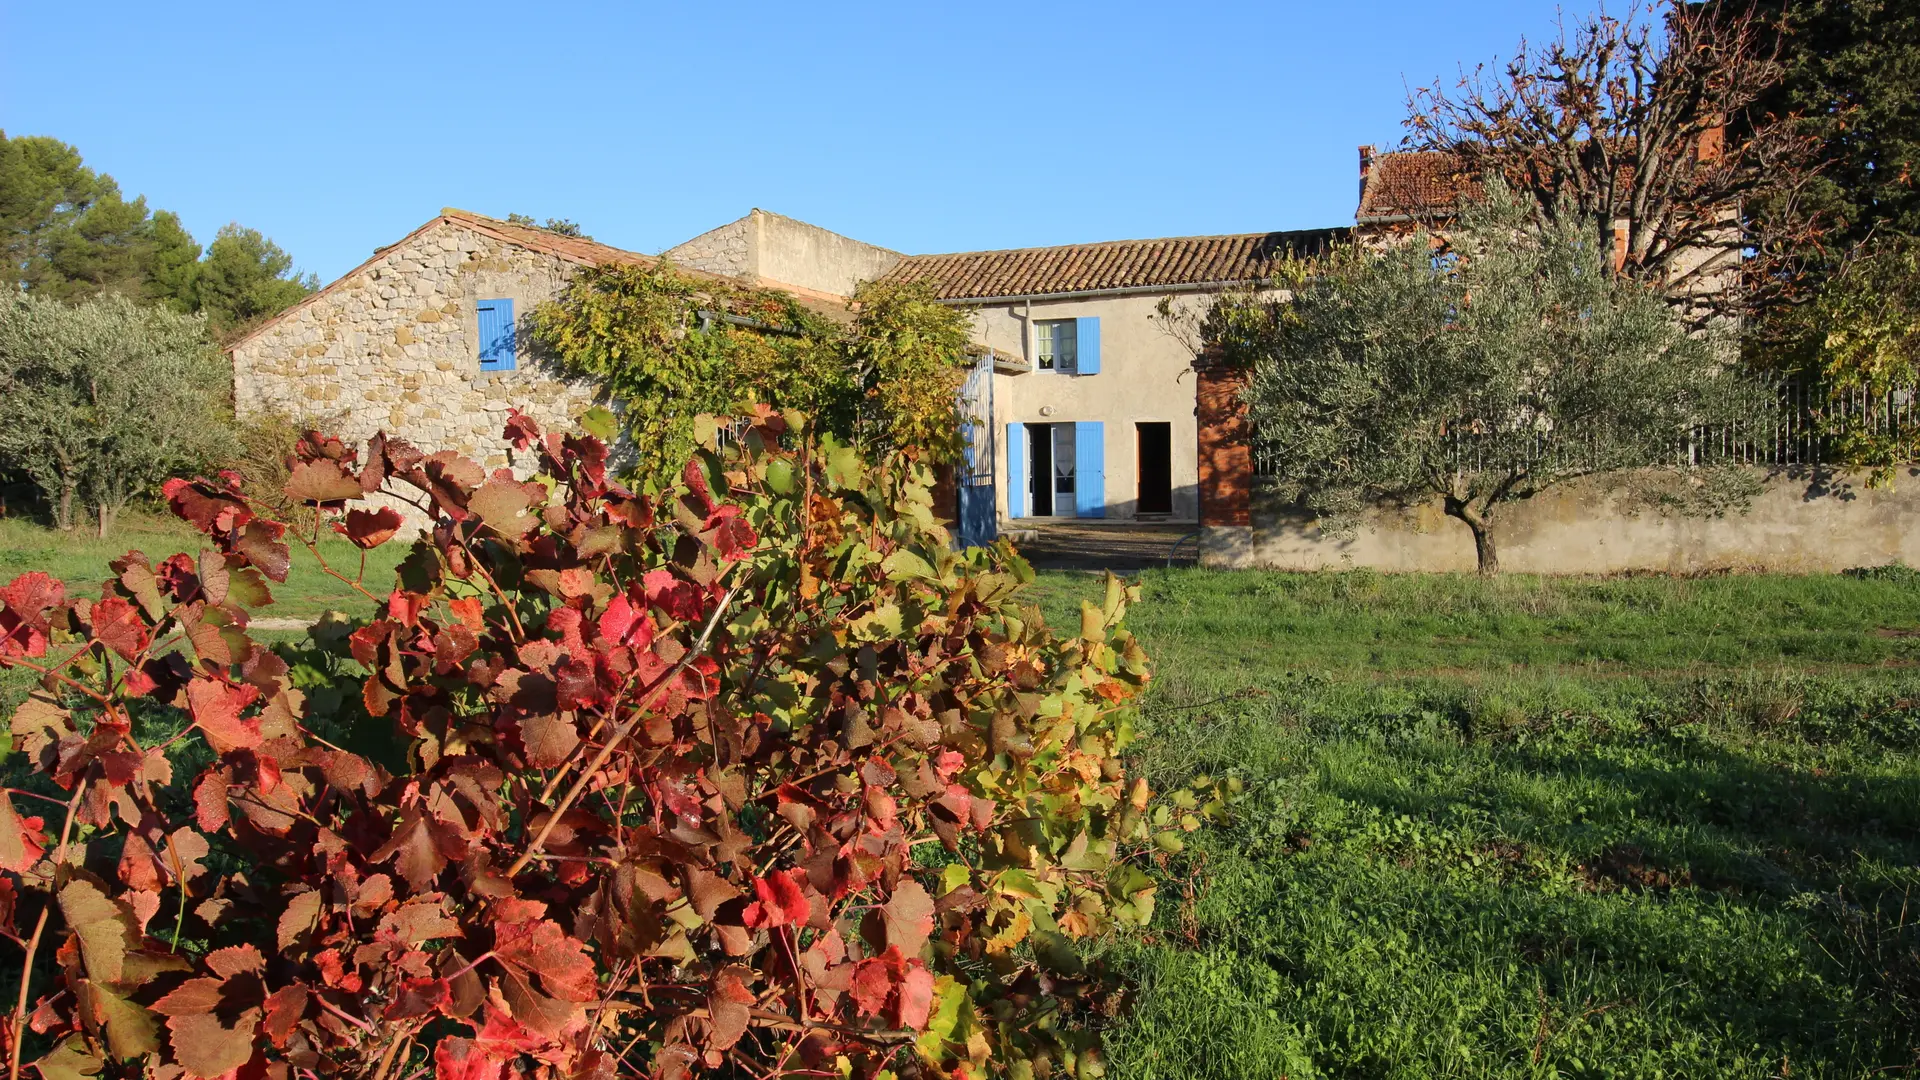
x=1090 y=463
x=1016 y=470
x=1087 y=331
x=496 y=335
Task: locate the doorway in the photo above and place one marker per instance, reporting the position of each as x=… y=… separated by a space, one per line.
x=1050 y=480
x=1155 y=468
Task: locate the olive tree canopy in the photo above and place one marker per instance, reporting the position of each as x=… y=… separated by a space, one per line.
x=1481 y=371
x=102 y=400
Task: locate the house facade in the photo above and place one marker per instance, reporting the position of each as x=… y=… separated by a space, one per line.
x=1085 y=396
x=428 y=339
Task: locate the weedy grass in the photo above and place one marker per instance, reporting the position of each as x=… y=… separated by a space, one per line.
x=1520 y=827
x=1621 y=827
x=80 y=560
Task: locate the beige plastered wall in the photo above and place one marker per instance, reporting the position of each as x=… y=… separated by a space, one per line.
x=1800 y=524
x=770 y=249
x=1146 y=375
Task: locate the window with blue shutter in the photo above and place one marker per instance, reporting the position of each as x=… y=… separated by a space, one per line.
x=496 y=335
x=1016 y=470
x=1090 y=468
x=1087 y=343
x=1054 y=345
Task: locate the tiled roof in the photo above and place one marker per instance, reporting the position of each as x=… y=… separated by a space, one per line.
x=1115 y=264
x=1412 y=184
x=577 y=249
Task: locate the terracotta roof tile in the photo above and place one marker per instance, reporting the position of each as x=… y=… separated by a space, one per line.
x=577 y=249
x=1413 y=184
x=1115 y=264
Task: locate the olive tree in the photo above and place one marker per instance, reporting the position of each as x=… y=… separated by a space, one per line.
x=102 y=400
x=1480 y=371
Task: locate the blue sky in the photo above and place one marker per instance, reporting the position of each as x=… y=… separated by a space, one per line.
x=338 y=127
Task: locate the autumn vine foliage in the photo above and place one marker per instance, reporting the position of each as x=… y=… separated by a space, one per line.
x=756 y=777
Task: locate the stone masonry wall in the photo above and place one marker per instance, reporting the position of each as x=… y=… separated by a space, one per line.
x=394 y=347
x=725 y=250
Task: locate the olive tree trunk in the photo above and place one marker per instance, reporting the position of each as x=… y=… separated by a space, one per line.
x=1480 y=522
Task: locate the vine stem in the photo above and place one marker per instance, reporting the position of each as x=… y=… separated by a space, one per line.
x=620 y=734
x=33 y=943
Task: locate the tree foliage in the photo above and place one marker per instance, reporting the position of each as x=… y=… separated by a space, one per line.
x=104 y=399
x=557 y=226
x=1481 y=374
x=1860 y=338
x=70 y=235
x=1655 y=123
x=754 y=777
x=1852 y=79
x=245 y=278
x=668 y=346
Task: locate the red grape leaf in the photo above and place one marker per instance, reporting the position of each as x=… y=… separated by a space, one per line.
x=216 y=711
x=371 y=528
x=541 y=948
x=908 y=915
x=729 y=1003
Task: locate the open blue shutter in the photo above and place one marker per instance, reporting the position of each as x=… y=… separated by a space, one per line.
x=1087 y=331
x=1016 y=470
x=496 y=335
x=1090 y=464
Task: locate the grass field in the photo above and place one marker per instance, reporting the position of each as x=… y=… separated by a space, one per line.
x=80 y=560
x=1638 y=827
x=1626 y=827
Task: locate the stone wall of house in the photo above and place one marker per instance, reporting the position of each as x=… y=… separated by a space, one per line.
x=726 y=250
x=393 y=346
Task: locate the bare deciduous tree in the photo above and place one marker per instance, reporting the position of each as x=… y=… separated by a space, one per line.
x=1644 y=129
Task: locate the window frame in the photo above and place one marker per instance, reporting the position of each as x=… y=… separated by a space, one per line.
x=1046 y=333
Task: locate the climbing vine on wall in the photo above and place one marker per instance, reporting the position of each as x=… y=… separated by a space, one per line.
x=667 y=347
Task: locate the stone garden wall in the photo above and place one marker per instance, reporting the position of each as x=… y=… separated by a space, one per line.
x=1799 y=524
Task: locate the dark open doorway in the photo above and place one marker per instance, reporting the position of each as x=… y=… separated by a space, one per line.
x=1050 y=483
x=1155 y=468
x=1040 y=476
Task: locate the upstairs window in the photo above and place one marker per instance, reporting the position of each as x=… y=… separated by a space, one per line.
x=1057 y=345
x=496 y=335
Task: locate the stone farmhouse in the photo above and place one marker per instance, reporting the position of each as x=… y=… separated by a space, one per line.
x=1084 y=405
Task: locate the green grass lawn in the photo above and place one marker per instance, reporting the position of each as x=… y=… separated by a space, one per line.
x=1636 y=827
x=1623 y=827
x=80 y=560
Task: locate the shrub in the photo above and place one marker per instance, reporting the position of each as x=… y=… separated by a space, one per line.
x=105 y=399
x=264 y=448
x=757 y=777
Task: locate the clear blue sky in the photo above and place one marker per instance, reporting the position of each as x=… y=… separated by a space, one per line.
x=337 y=127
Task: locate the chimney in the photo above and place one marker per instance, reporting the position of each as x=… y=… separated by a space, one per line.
x=1366 y=169
x=1712 y=142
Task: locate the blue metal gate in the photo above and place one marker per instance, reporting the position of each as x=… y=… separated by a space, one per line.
x=977 y=523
